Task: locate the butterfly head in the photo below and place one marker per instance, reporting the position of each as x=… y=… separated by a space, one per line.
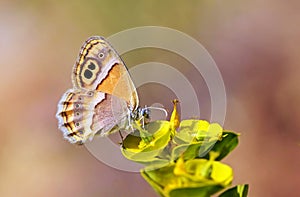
x=140 y=113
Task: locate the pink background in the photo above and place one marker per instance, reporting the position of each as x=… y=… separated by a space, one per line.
x=256 y=45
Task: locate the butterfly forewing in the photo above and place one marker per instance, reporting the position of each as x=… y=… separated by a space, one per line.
x=99 y=67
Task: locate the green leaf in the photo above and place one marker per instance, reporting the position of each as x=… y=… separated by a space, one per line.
x=212 y=133
x=222 y=173
x=147 y=152
x=206 y=169
x=196 y=177
x=191 y=151
x=226 y=145
x=204 y=191
x=196 y=131
x=237 y=191
x=159 y=178
x=195 y=138
x=188 y=130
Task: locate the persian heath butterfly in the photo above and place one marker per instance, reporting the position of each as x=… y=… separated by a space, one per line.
x=103 y=98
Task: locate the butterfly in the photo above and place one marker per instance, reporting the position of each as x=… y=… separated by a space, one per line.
x=103 y=98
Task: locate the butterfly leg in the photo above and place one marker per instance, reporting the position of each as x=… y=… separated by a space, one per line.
x=129 y=118
x=143 y=122
x=122 y=139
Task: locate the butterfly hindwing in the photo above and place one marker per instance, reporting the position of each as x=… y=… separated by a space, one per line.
x=82 y=114
x=75 y=114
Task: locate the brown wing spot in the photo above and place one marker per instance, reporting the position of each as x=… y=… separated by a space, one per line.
x=91 y=66
x=90 y=70
x=101 y=55
x=88 y=74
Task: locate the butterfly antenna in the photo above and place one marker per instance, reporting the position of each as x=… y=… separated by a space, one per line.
x=158 y=108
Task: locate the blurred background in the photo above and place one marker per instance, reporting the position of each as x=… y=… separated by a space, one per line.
x=256 y=45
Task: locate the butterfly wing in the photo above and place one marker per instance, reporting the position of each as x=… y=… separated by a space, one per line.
x=103 y=95
x=99 y=67
x=82 y=114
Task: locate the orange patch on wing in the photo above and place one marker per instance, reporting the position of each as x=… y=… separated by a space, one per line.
x=118 y=83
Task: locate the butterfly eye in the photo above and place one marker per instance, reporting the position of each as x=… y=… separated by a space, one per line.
x=101 y=55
